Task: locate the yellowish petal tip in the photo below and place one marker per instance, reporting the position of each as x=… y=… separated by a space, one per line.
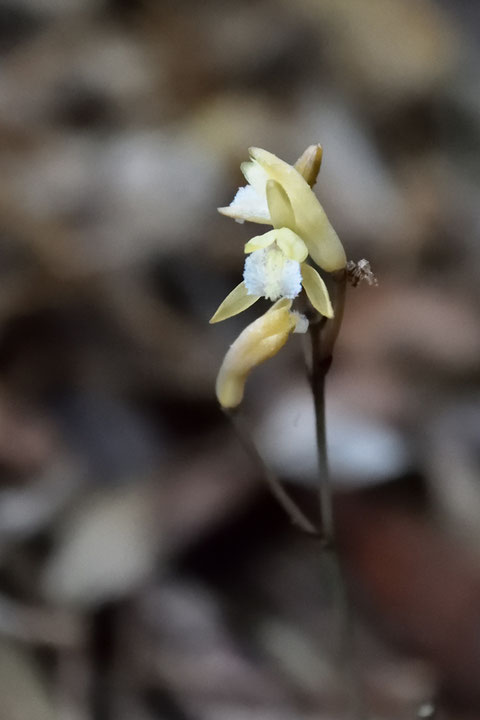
x=255 y=151
x=236 y=302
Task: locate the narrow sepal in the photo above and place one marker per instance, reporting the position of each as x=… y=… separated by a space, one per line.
x=236 y=302
x=316 y=290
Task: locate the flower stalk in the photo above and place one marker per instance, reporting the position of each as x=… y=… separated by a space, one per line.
x=322 y=338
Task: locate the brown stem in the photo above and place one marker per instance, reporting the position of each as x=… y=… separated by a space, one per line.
x=323 y=336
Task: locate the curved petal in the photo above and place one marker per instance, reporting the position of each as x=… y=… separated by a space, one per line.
x=261 y=241
x=260 y=341
x=311 y=221
x=255 y=176
x=316 y=290
x=279 y=206
x=236 y=302
x=291 y=244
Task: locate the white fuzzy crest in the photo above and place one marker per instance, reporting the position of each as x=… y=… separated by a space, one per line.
x=249 y=203
x=268 y=272
x=302 y=323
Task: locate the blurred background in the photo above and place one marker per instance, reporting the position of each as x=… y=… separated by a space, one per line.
x=145 y=572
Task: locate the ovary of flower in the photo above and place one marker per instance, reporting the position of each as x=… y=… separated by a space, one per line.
x=309 y=219
x=260 y=341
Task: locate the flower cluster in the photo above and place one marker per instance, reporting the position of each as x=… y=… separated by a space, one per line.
x=276 y=266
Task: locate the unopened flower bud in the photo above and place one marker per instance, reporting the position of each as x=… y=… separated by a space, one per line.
x=309 y=162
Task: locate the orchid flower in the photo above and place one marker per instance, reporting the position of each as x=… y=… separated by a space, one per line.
x=278 y=195
x=276 y=266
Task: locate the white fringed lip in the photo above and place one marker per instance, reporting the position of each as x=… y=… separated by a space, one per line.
x=269 y=273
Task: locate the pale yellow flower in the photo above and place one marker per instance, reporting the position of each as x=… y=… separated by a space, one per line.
x=277 y=194
x=260 y=341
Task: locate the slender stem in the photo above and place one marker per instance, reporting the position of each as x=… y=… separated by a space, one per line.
x=319 y=370
x=296 y=515
x=323 y=338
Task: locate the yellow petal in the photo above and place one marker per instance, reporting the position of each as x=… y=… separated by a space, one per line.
x=236 y=302
x=311 y=221
x=280 y=207
x=316 y=290
x=260 y=341
x=291 y=244
x=261 y=241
